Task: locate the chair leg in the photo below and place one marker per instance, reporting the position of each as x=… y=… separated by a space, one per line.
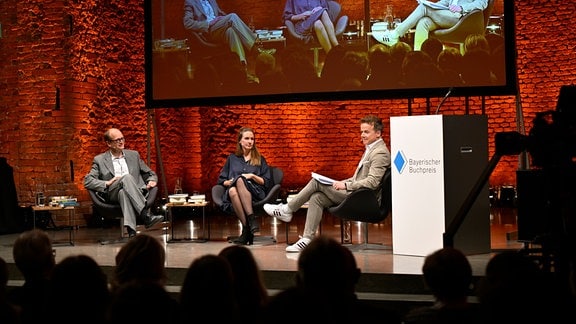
x=120 y=239
x=365 y=245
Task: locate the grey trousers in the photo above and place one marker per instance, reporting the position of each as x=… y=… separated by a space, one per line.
x=233 y=31
x=318 y=196
x=426 y=19
x=130 y=197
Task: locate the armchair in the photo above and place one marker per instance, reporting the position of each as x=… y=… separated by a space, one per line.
x=271 y=196
x=202 y=48
x=106 y=210
x=362 y=206
x=474 y=22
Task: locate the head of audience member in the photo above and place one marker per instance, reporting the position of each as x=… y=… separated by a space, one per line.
x=432 y=46
x=450 y=65
x=33 y=255
x=380 y=63
x=476 y=42
x=140 y=259
x=270 y=78
x=8 y=312
x=477 y=61
x=418 y=70
x=3 y=278
x=265 y=63
x=208 y=287
x=328 y=269
x=142 y=302
x=331 y=74
x=298 y=68
x=515 y=289
x=398 y=52
x=80 y=281
x=354 y=69
x=206 y=80
x=249 y=287
x=448 y=274
x=477 y=67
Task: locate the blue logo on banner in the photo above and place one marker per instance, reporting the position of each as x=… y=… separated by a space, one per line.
x=400 y=161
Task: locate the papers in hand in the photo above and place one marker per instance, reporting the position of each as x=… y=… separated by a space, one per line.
x=322 y=179
x=432 y=5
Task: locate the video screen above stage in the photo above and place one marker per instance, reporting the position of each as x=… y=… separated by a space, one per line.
x=276 y=62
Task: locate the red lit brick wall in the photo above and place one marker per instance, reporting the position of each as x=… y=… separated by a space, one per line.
x=98 y=65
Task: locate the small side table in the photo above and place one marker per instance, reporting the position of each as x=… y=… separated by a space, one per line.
x=202 y=206
x=70 y=227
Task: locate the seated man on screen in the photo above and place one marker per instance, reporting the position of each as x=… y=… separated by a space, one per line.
x=368 y=174
x=206 y=18
x=426 y=19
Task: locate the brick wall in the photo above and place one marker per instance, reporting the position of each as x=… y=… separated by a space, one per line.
x=93 y=52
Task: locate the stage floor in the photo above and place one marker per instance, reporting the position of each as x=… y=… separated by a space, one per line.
x=271 y=256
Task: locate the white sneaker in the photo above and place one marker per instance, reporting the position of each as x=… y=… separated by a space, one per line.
x=390 y=37
x=278 y=211
x=298 y=246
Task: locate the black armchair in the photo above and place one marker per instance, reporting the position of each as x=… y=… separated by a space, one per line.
x=474 y=22
x=201 y=48
x=362 y=206
x=105 y=210
x=271 y=196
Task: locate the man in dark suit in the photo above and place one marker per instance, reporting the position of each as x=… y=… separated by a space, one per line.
x=121 y=176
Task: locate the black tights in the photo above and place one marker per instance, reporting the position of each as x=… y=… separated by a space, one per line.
x=241 y=200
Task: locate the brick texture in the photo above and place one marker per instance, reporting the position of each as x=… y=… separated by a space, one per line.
x=92 y=52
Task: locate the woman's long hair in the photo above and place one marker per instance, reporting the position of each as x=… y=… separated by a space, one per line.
x=255 y=157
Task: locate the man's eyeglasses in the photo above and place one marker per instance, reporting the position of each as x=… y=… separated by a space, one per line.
x=117 y=141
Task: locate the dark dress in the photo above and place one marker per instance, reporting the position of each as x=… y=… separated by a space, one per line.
x=296 y=7
x=233 y=169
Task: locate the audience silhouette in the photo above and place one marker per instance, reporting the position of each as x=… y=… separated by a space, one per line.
x=299 y=69
x=208 y=288
x=325 y=289
x=8 y=312
x=78 y=292
x=34 y=257
x=450 y=65
x=380 y=65
x=432 y=47
x=140 y=259
x=138 y=291
x=142 y=302
x=514 y=289
x=249 y=288
x=448 y=275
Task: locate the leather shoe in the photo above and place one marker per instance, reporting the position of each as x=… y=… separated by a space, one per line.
x=153 y=220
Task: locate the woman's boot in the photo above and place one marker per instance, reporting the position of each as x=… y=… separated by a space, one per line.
x=246 y=238
x=253 y=223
